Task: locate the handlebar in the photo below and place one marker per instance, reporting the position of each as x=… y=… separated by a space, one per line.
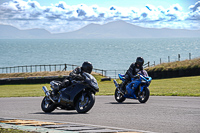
x=147 y=79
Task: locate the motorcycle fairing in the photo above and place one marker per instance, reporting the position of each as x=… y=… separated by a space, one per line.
x=68 y=94
x=131 y=87
x=90 y=80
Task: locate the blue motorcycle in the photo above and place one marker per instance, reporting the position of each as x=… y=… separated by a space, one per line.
x=136 y=89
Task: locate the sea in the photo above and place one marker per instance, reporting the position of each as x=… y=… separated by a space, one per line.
x=107 y=54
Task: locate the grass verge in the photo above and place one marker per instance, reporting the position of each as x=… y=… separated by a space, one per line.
x=184 y=86
x=8 y=130
x=177 y=65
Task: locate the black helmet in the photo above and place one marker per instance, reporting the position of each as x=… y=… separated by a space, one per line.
x=87 y=67
x=139 y=61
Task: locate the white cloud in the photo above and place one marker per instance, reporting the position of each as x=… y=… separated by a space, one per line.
x=64 y=18
x=195 y=11
x=195 y=7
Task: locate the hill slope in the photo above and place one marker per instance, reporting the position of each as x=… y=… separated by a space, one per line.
x=10 y=32
x=175 y=69
x=117 y=29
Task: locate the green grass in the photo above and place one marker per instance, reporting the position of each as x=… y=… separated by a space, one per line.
x=177 y=65
x=8 y=130
x=25 y=90
x=184 y=86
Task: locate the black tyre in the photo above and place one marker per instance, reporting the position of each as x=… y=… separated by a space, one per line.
x=85 y=105
x=47 y=105
x=144 y=95
x=119 y=97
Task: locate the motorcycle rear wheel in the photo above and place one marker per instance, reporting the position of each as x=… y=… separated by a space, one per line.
x=144 y=95
x=119 y=97
x=47 y=105
x=85 y=105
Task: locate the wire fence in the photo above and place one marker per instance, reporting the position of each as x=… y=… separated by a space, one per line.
x=37 y=68
x=42 y=68
x=58 y=67
x=69 y=67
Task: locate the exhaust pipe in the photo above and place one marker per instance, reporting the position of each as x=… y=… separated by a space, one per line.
x=116 y=84
x=46 y=91
x=44 y=88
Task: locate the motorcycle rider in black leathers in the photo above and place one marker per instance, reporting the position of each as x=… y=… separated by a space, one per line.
x=132 y=71
x=76 y=74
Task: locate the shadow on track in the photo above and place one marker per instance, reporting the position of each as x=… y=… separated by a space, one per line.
x=58 y=113
x=123 y=103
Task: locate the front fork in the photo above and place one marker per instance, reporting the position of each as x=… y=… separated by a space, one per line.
x=83 y=96
x=84 y=100
x=141 y=88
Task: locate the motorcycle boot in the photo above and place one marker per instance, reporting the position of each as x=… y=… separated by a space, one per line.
x=124 y=83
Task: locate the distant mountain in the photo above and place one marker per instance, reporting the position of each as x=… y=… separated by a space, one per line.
x=117 y=29
x=10 y=32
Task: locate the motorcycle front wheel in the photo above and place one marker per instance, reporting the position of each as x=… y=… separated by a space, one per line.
x=144 y=95
x=119 y=97
x=47 y=105
x=84 y=104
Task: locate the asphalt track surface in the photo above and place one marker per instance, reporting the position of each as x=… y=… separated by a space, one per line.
x=163 y=114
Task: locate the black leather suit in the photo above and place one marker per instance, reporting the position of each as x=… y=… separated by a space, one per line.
x=76 y=74
x=130 y=73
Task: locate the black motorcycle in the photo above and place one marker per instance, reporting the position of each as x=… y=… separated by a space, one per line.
x=79 y=96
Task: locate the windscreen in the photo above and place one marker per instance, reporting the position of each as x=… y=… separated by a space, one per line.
x=90 y=80
x=144 y=72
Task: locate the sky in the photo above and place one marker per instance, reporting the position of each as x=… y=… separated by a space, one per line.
x=70 y=15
